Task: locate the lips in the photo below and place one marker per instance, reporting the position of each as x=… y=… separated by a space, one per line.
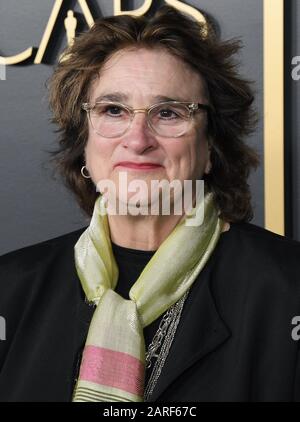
x=138 y=166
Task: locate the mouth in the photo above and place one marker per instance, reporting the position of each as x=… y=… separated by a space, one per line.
x=138 y=166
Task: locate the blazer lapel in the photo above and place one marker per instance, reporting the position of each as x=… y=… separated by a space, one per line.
x=200 y=331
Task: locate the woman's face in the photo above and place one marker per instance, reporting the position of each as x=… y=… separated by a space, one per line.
x=138 y=78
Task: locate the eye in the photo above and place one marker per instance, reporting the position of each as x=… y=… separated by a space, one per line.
x=170 y=113
x=109 y=110
x=167 y=113
x=114 y=110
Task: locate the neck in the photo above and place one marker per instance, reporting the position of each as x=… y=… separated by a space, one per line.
x=141 y=232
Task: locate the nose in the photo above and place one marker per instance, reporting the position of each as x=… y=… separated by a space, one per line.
x=139 y=137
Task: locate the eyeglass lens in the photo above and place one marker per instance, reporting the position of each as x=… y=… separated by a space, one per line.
x=112 y=120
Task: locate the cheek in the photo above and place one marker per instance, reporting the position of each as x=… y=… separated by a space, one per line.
x=98 y=155
x=199 y=154
x=188 y=159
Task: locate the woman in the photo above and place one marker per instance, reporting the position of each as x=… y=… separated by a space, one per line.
x=159 y=306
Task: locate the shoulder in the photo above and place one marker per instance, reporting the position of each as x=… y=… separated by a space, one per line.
x=38 y=250
x=253 y=231
x=255 y=279
x=258 y=243
x=39 y=273
x=256 y=263
x=30 y=259
x=38 y=288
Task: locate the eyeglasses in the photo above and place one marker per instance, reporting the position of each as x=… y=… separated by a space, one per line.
x=170 y=119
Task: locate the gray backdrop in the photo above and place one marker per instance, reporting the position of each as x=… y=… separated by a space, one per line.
x=34 y=206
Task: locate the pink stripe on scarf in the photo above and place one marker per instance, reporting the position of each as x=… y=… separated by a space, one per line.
x=113 y=369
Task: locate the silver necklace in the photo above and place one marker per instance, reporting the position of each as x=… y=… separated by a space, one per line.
x=162 y=340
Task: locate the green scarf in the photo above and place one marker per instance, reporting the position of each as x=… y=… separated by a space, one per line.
x=113 y=362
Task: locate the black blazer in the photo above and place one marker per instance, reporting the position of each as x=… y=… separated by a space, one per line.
x=233 y=342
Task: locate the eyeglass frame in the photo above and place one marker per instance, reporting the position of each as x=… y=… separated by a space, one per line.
x=190 y=105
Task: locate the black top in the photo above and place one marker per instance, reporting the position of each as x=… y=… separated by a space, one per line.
x=233 y=343
x=131 y=263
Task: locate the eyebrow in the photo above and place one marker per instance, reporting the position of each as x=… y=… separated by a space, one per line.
x=121 y=97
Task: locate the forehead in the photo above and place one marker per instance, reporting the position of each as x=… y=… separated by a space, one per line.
x=148 y=74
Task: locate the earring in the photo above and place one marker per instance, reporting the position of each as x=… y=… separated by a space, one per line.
x=82 y=172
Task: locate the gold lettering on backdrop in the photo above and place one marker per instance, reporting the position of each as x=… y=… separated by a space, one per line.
x=18 y=58
x=70 y=24
x=51 y=22
x=185 y=8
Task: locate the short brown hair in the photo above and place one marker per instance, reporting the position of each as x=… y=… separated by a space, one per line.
x=229 y=95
